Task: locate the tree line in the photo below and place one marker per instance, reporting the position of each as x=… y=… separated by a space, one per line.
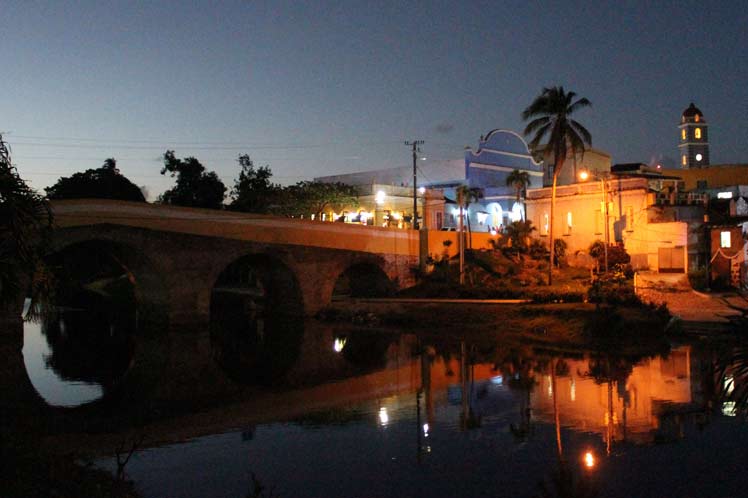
x=253 y=191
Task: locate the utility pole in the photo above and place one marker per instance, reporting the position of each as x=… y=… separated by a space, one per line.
x=416 y=150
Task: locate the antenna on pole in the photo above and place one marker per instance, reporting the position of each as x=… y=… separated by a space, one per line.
x=414 y=144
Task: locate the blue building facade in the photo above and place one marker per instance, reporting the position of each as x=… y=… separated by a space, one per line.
x=499 y=153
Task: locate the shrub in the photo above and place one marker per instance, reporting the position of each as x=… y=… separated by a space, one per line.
x=697 y=279
x=617 y=254
x=538 y=249
x=612 y=288
x=559 y=252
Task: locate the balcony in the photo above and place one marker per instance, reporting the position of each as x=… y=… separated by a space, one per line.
x=680 y=199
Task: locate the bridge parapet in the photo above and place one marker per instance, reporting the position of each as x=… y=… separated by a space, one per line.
x=238 y=226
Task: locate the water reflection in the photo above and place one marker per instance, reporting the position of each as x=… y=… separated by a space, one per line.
x=75 y=355
x=420 y=417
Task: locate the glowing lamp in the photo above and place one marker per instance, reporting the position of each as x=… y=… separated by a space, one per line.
x=589 y=460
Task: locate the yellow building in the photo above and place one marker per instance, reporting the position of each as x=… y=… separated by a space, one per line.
x=593 y=160
x=711 y=177
x=652 y=241
x=391 y=206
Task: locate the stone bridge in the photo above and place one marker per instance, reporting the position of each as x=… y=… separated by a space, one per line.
x=175 y=255
x=175 y=258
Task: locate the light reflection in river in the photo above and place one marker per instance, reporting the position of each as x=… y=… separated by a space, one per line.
x=435 y=425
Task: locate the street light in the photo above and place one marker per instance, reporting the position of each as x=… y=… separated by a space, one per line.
x=584 y=175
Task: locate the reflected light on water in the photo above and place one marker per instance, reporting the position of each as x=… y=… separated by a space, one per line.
x=339 y=344
x=589 y=460
x=729 y=384
x=729 y=409
x=425 y=430
x=383 y=417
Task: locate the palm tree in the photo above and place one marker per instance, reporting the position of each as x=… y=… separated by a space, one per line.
x=465 y=196
x=520 y=180
x=25 y=226
x=550 y=113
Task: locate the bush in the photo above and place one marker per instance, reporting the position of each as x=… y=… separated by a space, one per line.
x=697 y=279
x=612 y=288
x=538 y=249
x=617 y=254
x=559 y=252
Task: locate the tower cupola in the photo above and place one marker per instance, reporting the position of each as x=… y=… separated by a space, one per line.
x=693 y=145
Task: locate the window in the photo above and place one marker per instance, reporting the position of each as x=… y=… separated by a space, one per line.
x=568 y=223
x=683 y=160
x=683 y=134
x=544 y=226
x=696 y=118
x=696 y=133
x=724 y=239
x=439 y=221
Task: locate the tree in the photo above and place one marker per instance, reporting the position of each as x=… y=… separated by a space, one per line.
x=316 y=198
x=550 y=113
x=25 y=228
x=519 y=233
x=253 y=192
x=195 y=187
x=102 y=183
x=465 y=197
x=520 y=180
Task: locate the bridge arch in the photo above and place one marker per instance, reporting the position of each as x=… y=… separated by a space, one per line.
x=103 y=247
x=256 y=318
x=364 y=277
x=124 y=327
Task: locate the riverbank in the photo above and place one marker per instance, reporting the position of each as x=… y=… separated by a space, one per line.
x=699 y=312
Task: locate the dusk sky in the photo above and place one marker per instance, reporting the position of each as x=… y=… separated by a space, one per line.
x=320 y=88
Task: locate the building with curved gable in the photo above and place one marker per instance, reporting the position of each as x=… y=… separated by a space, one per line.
x=499 y=153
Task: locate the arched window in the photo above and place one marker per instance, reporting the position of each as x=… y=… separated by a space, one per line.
x=683 y=134
x=697 y=133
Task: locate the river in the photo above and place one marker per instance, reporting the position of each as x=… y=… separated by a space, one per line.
x=390 y=413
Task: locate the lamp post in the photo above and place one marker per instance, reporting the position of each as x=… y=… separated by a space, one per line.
x=584 y=175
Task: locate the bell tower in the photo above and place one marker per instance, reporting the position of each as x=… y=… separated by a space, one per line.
x=693 y=146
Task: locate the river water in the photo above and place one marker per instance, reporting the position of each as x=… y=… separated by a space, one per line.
x=394 y=414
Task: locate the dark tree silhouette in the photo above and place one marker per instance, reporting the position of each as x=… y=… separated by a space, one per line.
x=253 y=191
x=316 y=198
x=102 y=183
x=195 y=187
x=25 y=227
x=550 y=113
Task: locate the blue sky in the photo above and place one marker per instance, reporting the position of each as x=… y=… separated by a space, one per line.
x=319 y=88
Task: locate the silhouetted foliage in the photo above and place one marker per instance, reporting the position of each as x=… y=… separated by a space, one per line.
x=195 y=187
x=102 y=183
x=316 y=198
x=559 y=252
x=25 y=228
x=551 y=116
x=519 y=233
x=253 y=191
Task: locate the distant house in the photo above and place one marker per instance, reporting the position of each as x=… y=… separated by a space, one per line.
x=580 y=219
x=499 y=153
